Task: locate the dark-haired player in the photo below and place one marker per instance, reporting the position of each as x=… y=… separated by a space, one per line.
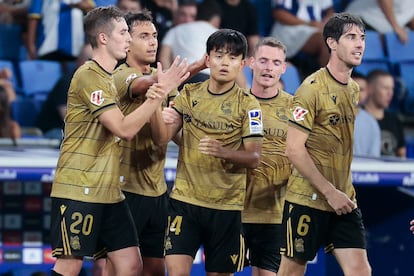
x=221 y=136
x=320 y=207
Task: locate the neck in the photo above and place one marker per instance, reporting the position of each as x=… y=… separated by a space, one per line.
x=218 y=88
x=339 y=71
x=143 y=68
x=106 y=61
x=378 y=113
x=264 y=92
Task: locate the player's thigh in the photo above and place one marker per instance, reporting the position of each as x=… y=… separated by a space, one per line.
x=75 y=227
x=304 y=231
x=263 y=244
x=118 y=229
x=353 y=261
x=152 y=227
x=223 y=243
x=183 y=229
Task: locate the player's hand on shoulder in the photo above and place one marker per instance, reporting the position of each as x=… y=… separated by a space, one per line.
x=175 y=75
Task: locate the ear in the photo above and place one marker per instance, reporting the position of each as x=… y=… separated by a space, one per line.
x=251 y=62
x=332 y=43
x=102 y=38
x=207 y=60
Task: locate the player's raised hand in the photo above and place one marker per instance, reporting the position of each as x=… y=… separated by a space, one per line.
x=174 y=76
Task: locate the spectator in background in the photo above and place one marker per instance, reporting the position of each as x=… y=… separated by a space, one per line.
x=241 y=15
x=162 y=12
x=51 y=118
x=5 y=81
x=133 y=6
x=14 y=12
x=8 y=127
x=380 y=90
x=385 y=16
x=189 y=40
x=55 y=30
x=299 y=24
x=367 y=133
x=186 y=12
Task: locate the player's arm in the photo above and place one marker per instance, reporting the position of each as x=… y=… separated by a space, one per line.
x=248 y=156
x=299 y=156
x=173 y=123
x=170 y=79
x=126 y=127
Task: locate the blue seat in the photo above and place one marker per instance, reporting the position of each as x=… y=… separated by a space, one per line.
x=397 y=51
x=39 y=76
x=374 y=56
x=291 y=79
x=10 y=42
x=25 y=110
x=367 y=66
x=406 y=71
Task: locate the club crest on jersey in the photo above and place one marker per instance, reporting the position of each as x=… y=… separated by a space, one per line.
x=97 y=97
x=256 y=124
x=130 y=78
x=299 y=113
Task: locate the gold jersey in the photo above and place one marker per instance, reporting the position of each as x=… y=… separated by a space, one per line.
x=266 y=184
x=231 y=118
x=325 y=109
x=142 y=161
x=88 y=165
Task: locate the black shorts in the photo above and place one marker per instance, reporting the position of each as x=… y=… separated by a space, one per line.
x=82 y=228
x=306 y=229
x=150 y=218
x=263 y=245
x=218 y=231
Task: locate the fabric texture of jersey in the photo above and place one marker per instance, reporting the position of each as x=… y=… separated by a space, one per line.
x=142 y=161
x=325 y=109
x=266 y=184
x=88 y=165
x=231 y=118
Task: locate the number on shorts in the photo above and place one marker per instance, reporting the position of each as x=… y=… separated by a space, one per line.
x=175 y=225
x=85 y=223
x=303 y=225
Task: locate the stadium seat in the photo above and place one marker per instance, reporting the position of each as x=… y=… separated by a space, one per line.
x=374 y=56
x=367 y=66
x=25 y=110
x=10 y=42
x=407 y=77
x=397 y=51
x=291 y=79
x=39 y=76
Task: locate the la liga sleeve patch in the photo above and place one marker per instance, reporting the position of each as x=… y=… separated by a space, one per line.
x=97 y=97
x=255 y=121
x=299 y=113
